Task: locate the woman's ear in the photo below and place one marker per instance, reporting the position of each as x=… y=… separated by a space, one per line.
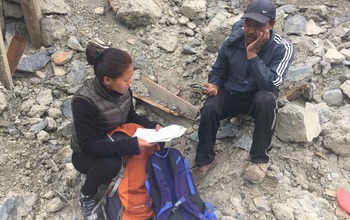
x=106 y=80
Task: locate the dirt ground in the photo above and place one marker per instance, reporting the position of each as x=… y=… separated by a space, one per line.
x=303 y=176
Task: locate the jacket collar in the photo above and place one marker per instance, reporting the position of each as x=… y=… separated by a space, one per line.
x=104 y=91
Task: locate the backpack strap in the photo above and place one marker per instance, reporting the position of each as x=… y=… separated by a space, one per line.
x=157 y=163
x=185 y=183
x=113 y=186
x=209 y=212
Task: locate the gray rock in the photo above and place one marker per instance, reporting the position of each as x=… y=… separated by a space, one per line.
x=333 y=97
x=52 y=30
x=217 y=30
x=295 y=25
x=336 y=136
x=167 y=42
x=188 y=50
x=3 y=102
x=17 y=205
x=67 y=109
x=245 y=142
x=136 y=13
x=12 y=10
x=194 y=9
x=77 y=73
x=54 y=205
x=34 y=62
x=296 y=124
x=235 y=3
x=74 y=44
x=38 y=127
x=299 y=72
x=54 y=7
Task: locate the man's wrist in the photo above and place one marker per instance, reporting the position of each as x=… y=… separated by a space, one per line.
x=251 y=55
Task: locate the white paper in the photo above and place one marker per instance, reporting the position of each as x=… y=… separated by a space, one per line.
x=162 y=135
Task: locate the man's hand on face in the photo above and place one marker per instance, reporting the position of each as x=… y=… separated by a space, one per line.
x=255 y=47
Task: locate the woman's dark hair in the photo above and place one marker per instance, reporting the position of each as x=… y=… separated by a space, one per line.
x=109 y=62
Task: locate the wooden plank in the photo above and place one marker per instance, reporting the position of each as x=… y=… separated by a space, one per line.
x=179 y=120
x=5 y=74
x=186 y=109
x=295 y=92
x=154 y=104
x=32 y=15
x=15 y=52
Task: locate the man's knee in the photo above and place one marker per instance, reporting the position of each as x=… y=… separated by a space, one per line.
x=209 y=109
x=265 y=99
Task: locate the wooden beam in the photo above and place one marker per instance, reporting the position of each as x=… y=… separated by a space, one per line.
x=5 y=74
x=295 y=92
x=15 y=52
x=179 y=120
x=186 y=109
x=32 y=15
x=166 y=113
x=154 y=104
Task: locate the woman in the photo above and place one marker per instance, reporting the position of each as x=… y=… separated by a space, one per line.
x=100 y=106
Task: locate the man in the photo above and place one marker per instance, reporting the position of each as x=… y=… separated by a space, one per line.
x=250 y=66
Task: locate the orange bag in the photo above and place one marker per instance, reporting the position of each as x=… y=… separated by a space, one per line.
x=131 y=190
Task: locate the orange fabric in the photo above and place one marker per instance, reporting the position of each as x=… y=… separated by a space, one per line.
x=132 y=190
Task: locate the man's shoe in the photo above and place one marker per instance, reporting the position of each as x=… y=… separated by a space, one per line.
x=89 y=208
x=199 y=172
x=256 y=172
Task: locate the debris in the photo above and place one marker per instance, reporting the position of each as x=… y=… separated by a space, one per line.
x=290 y=158
x=154 y=104
x=320 y=154
x=295 y=92
x=186 y=109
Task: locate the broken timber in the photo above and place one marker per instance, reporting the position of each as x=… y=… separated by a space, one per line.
x=5 y=74
x=152 y=103
x=187 y=112
x=32 y=15
x=15 y=52
x=295 y=92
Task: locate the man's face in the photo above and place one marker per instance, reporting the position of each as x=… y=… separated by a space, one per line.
x=252 y=29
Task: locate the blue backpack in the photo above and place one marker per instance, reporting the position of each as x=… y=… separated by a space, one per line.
x=171 y=189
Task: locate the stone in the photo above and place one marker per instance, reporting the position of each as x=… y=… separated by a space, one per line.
x=99 y=11
x=345 y=87
x=194 y=9
x=74 y=44
x=32 y=63
x=52 y=30
x=313 y=29
x=333 y=97
x=295 y=25
x=62 y=57
x=299 y=72
x=334 y=56
x=296 y=124
x=136 y=13
x=54 y=7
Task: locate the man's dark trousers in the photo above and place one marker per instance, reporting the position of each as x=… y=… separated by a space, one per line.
x=261 y=105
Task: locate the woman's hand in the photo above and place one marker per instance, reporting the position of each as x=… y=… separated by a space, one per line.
x=144 y=145
x=158 y=126
x=211 y=90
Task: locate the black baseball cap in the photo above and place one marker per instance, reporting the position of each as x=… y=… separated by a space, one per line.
x=261 y=11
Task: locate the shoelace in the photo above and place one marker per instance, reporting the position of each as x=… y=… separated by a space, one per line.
x=261 y=166
x=88 y=204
